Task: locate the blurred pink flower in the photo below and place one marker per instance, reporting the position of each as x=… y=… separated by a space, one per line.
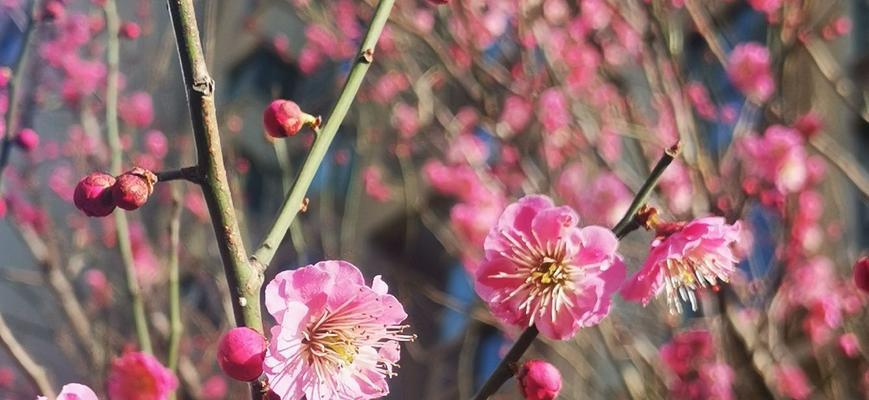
x=336 y=337
x=749 y=68
x=372 y=177
x=73 y=391
x=541 y=269
x=778 y=158
x=552 y=110
x=467 y=149
x=516 y=113
x=809 y=124
x=136 y=109
x=405 y=120
x=692 y=257
x=699 y=97
x=687 y=350
x=139 y=376
x=214 y=388
x=156 y=143
x=603 y=201
x=766 y=6
x=99 y=286
x=849 y=344
x=792 y=382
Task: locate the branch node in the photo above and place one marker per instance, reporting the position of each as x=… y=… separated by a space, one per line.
x=204 y=85
x=367 y=56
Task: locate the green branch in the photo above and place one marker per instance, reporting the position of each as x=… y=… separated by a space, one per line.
x=122 y=230
x=293 y=203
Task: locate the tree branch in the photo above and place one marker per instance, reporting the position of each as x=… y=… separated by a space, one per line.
x=35 y=373
x=122 y=230
x=292 y=205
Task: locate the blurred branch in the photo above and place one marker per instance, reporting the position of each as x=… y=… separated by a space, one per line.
x=292 y=205
x=122 y=230
x=507 y=367
x=843 y=160
x=35 y=373
x=13 y=95
x=832 y=71
x=176 y=328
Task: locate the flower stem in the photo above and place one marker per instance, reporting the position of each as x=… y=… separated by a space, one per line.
x=507 y=367
x=292 y=205
x=122 y=229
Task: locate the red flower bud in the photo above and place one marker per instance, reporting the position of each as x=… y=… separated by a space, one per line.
x=241 y=352
x=27 y=139
x=284 y=118
x=3 y=207
x=539 y=380
x=133 y=188
x=861 y=273
x=93 y=194
x=130 y=30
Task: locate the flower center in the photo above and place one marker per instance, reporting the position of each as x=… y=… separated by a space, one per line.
x=337 y=347
x=684 y=276
x=550 y=272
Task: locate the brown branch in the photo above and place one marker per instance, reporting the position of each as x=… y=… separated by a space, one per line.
x=35 y=373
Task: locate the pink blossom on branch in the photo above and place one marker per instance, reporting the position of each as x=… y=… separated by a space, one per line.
x=73 y=391
x=693 y=256
x=542 y=269
x=336 y=337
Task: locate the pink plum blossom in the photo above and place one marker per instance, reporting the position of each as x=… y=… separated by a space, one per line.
x=541 y=269
x=73 y=391
x=139 y=376
x=694 y=256
x=137 y=109
x=336 y=337
x=516 y=113
x=749 y=68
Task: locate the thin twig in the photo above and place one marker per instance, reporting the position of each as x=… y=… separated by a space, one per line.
x=293 y=203
x=35 y=372
x=191 y=174
x=122 y=230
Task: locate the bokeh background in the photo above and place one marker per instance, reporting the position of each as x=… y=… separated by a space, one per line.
x=468 y=106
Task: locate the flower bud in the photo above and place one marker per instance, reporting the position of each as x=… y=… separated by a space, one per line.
x=130 y=30
x=284 y=118
x=133 y=188
x=241 y=352
x=27 y=139
x=861 y=273
x=93 y=194
x=539 y=380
